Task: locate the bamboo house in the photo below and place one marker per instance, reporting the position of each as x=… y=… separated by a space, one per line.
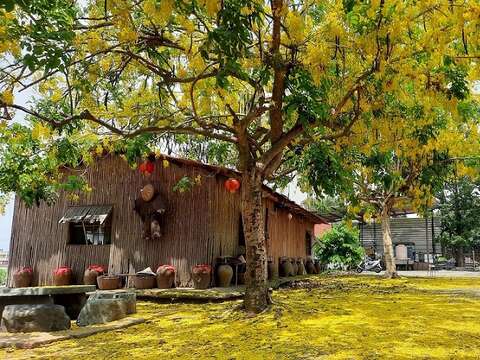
x=192 y=226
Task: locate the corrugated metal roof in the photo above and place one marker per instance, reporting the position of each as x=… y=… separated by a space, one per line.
x=87 y=213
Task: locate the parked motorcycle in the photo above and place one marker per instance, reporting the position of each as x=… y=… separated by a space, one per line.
x=369 y=265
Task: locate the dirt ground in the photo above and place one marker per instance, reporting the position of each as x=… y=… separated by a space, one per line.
x=324 y=317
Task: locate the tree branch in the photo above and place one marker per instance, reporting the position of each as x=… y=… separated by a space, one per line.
x=277 y=148
x=87 y=115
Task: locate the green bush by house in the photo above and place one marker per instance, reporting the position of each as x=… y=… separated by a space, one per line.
x=340 y=246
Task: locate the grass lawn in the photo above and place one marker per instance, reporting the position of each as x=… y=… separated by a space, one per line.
x=342 y=317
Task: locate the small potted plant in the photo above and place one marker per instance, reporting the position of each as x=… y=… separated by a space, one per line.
x=165 y=276
x=91 y=274
x=62 y=276
x=201 y=275
x=23 y=277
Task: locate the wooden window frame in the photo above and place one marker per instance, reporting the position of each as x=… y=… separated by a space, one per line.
x=105 y=230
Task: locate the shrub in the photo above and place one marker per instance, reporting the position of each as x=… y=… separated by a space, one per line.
x=3 y=277
x=340 y=246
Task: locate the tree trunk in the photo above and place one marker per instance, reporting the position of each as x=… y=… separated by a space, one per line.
x=460 y=257
x=391 y=269
x=256 y=294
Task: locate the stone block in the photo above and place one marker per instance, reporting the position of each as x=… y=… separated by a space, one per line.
x=101 y=311
x=30 y=318
x=129 y=296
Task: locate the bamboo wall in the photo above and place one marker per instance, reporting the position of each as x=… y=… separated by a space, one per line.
x=198 y=225
x=286 y=237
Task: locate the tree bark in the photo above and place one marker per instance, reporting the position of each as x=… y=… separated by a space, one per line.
x=459 y=257
x=391 y=269
x=256 y=294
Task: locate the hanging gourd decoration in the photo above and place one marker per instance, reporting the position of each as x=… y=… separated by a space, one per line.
x=232 y=185
x=147 y=192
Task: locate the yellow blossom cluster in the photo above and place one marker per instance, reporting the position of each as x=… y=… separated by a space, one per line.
x=7 y=97
x=211 y=6
x=7 y=44
x=158 y=12
x=295 y=26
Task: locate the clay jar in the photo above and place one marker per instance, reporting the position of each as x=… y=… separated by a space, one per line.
x=90 y=275
x=165 y=276
x=23 y=277
x=310 y=266
x=285 y=267
x=301 y=268
x=224 y=275
x=62 y=276
x=108 y=282
x=272 y=270
x=201 y=276
x=294 y=267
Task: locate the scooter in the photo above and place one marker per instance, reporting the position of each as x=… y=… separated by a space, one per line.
x=369 y=265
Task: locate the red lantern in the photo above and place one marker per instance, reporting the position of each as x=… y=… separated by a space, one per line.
x=143 y=167
x=149 y=167
x=232 y=185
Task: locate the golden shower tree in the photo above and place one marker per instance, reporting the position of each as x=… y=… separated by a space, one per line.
x=267 y=77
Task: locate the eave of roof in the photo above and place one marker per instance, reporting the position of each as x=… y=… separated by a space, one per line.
x=87 y=213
